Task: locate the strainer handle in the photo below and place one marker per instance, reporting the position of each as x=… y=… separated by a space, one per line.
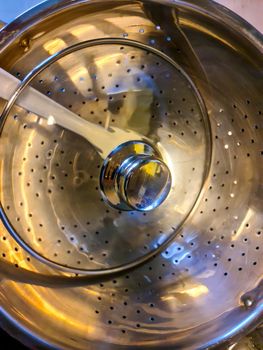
x=103 y=139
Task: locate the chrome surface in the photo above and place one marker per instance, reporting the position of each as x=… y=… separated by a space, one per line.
x=134 y=177
x=144 y=182
x=205 y=288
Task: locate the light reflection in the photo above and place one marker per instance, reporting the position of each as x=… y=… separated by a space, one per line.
x=30 y=295
x=103 y=60
x=248 y=217
x=75 y=73
x=51 y=120
x=188 y=23
x=78 y=73
x=176 y=253
x=54 y=45
x=81 y=30
x=172 y=250
x=193 y=291
x=38 y=35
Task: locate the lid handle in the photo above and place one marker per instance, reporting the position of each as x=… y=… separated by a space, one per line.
x=134 y=177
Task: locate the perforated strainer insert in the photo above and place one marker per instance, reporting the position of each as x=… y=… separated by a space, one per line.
x=58 y=203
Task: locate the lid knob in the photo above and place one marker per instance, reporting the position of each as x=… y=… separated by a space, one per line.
x=134 y=177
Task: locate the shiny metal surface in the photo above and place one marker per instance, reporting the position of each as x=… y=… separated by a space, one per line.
x=79 y=231
x=134 y=177
x=104 y=140
x=206 y=287
x=144 y=183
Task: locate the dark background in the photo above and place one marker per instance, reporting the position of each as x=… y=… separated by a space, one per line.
x=9 y=342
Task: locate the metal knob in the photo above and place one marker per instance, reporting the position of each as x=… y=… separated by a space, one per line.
x=144 y=182
x=134 y=177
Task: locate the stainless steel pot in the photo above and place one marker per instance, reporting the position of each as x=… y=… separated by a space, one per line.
x=154 y=242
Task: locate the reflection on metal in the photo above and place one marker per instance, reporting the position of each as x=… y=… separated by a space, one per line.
x=247 y=218
x=76 y=74
x=55 y=45
x=202 y=28
x=134 y=177
x=193 y=291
